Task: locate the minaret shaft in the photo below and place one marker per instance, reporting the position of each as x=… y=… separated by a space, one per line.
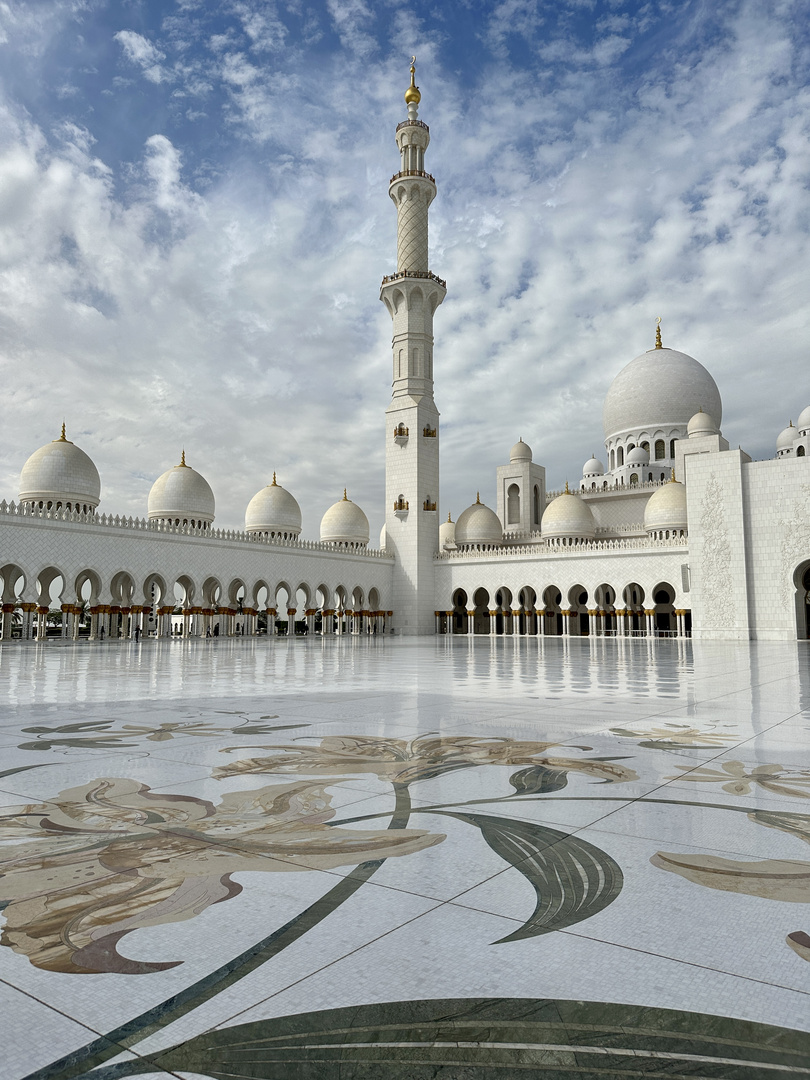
x=411 y=296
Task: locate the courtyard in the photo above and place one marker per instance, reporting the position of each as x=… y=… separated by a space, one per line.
x=381 y=857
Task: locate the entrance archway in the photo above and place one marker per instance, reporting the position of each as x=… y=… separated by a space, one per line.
x=802 y=582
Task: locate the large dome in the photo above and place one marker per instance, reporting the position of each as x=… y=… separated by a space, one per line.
x=275 y=511
x=784 y=440
x=181 y=496
x=345 y=523
x=660 y=388
x=60 y=473
x=478 y=525
x=568 y=516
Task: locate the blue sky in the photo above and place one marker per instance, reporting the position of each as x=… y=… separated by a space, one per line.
x=194 y=222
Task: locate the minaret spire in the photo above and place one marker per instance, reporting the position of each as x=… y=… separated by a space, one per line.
x=411 y=296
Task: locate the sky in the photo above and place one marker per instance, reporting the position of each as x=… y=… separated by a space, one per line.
x=194 y=222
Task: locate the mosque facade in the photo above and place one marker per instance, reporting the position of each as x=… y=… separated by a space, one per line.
x=673 y=534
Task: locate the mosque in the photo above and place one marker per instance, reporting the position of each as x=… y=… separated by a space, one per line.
x=674 y=534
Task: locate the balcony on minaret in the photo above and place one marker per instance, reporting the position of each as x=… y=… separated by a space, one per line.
x=400 y=434
x=426 y=274
x=428 y=432
x=428 y=506
x=401 y=507
x=412 y=172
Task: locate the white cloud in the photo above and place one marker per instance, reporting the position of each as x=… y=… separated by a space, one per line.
x=141 y=52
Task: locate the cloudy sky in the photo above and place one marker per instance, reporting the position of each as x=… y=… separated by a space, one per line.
x=194 y=222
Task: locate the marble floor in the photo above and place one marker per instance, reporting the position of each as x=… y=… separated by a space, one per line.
x=405 y=859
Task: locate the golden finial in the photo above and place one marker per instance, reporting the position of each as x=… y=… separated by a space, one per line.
x=412 y=93
x=274 y=479
x=478 y=498
x=345 y=496
x=63 y=436
x=567 y=492
x=658 y=342
x=672 y=479
x=449 y=519
x=182 y=464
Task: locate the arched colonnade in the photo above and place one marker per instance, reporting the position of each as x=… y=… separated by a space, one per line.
x=50 y=602
x=626 y=611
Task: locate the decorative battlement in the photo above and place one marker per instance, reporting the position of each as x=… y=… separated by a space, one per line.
x=143 y=525
x=413 y=123
x=412 y=172
x=588 y=547
x=414 y=274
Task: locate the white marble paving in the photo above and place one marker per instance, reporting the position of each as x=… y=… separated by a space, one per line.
x=635 y=742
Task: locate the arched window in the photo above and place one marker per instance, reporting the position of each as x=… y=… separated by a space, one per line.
x=672 y=447
x=612 y=460
x=800 y=451
x=620 y=457
x=630 y=446
x=645 y=446
x=513 y=505
x=660 y=449
x=536 y=505
x=634 y=478
x=649 y=476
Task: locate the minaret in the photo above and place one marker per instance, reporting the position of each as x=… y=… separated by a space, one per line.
x=411 y=295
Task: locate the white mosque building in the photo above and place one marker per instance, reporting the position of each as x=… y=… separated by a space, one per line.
x=673 y=534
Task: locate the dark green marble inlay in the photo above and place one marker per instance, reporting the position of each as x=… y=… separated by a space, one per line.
x=493 y=1038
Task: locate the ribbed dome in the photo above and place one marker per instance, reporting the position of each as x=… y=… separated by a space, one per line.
x=181 y=496
x=784 y=440
x=345 y=523
x=593 y=467
x=638 y=456
x=568 y=516
x=521 y=451
x=666 y=509
x=804 y=419
x=273 y=510
x=478 y=525
x=60 y=472
x=447 y=533
x=662 y=387
x=701 y=424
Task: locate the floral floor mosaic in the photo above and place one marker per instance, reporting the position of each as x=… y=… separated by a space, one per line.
x=405 y=859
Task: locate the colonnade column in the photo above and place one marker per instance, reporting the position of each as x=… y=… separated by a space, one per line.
x=471 y=622
x=8 y=621
x=451 y=627
x=493 y=623
x=592 y=625
x=541 y=618
x=649 y=622
x=566 y=617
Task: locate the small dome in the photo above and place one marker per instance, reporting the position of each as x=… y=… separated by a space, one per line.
x=447 y=533
x=273 y=510
x=181 y=496
x=521 y=451
x=568 y=515
x=60 y=472
x=666 y=509
x=701 y=424
x=785 y=438
x=478 y=525
x=383 y=538
x=638 y=456
x=804 y=419
x=593 y=467
x=344 y=523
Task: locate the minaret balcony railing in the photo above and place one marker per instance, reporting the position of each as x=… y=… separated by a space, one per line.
x=412 y=172
x=429 y=506
x=428 y=432
x=400 y=434
x=401 y=508
x=412 y=123
x=414 y=274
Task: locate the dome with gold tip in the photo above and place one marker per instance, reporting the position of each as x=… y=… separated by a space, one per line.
x=60 y=476
x=412 y=93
